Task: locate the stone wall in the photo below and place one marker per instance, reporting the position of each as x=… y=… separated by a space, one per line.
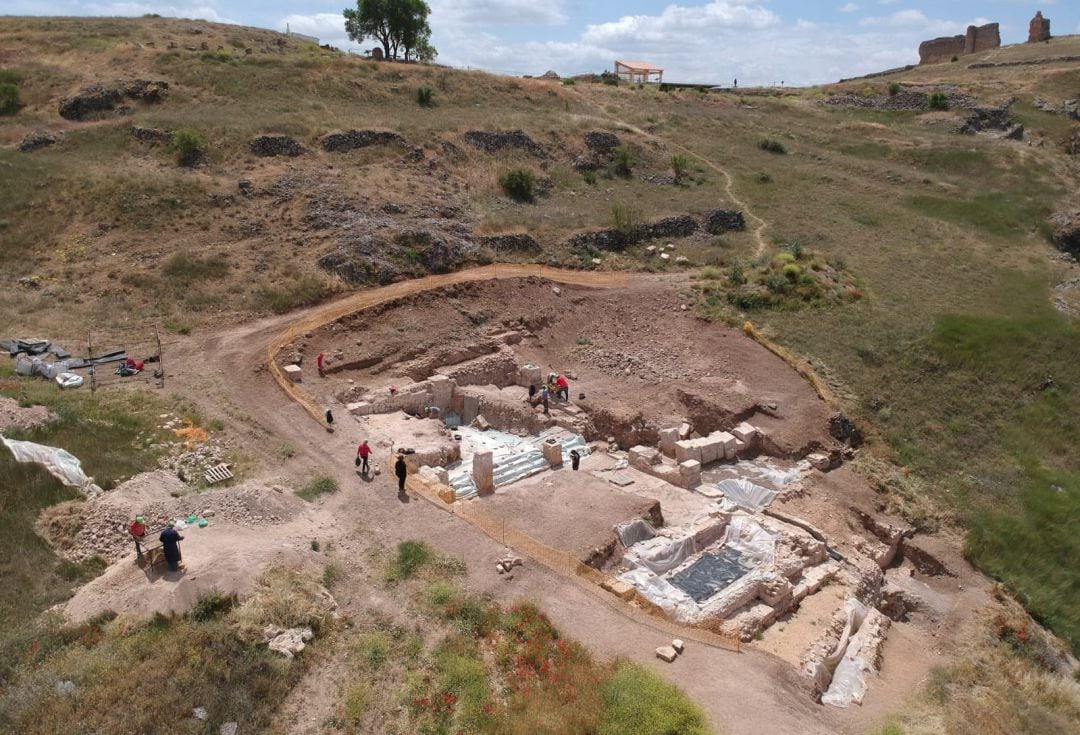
x=1039 y=29
x=977 y=38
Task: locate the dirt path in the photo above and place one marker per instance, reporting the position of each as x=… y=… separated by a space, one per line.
x=760 y=225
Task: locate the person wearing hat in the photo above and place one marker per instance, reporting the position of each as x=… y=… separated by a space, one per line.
x=170 y=543
x=137 y=529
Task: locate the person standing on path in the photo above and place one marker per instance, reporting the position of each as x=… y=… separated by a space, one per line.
x=402 y=472
x=362 y=453
x=170 y=543
x=319 y=364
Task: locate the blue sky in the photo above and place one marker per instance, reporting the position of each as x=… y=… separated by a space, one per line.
x=756 y=41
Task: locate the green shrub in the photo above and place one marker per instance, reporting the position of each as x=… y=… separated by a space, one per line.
x=9 y=99
x=410 y=556
x=210 y=605
x=792 y=271
x=331 y=573
x=423 y=96
x=609 y=78
x=710 y=273
x=939 y=101
x=624 y=218
x=568 y=82
x=895 y=89
x=736 y=277
x=640 y=702
x=777 y=283
x=772 y=146
x=518 y=184
x=623 y=161
x=679 y=166
x=318 y=485
x=188 y=145
x=762 y=178
x=589 y=177
x=301 y=290
x=183 y=268
x=796 y=248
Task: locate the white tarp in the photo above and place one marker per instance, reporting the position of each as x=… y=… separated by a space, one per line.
x=751 y=540
x=663 y=594
x=634 y=531
x=746 y=494
x=660 y=555
x=61 y=464
x=841 y=676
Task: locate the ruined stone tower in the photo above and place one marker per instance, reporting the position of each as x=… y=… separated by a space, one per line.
x=1039 y=28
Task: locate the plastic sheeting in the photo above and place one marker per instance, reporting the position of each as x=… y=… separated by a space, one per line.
x=710 y=574
x=60 y=463
x=840 y=676
x=746 y=494
x=634 y=531
x=661 y=555
x=69 y=380
x=751 y=540
x=663 y=594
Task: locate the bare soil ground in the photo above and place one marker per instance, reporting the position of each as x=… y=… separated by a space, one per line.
x=754 y=691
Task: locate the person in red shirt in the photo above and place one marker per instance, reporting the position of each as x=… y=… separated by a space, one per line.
x=362 y=453
x=319 y=364
x=137 y=529
x=562 y=388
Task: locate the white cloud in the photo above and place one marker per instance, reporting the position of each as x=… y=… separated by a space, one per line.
x=850 y=8
x=805 y=25
x=204 y=11
x=912 y=19
x=679 y=22
x=327 y=27
x=497 y=12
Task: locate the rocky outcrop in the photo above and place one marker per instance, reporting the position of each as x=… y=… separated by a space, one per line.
x=39 y=139
x=680 y=226
x=719 y=221
x=513 y=242
x=903 y=100
x=97 y=99
x=1065 y=231
x=1038 y=29
x=988 y=118
x=949 y=48
x=495 y=141
x=275 y=145
x=150 y=135
x=601 y=142
x=353 y=139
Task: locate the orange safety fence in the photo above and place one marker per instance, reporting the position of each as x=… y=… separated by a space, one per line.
x=373 y=297
x=589 y=579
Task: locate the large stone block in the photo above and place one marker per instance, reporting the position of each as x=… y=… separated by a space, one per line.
x=361 y=408
x=552 y=450
x=529 y=375
x=668 y=437
x=442 y=391
x=689 y=473
x=687 y=449
x=483 y=471
x=294 y=373
x=643 y=458
x=744 y=432
x=727 y=441
x=471 y=407
x=711 y=449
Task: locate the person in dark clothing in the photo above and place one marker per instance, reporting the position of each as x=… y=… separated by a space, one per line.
x=402 y=472
x=362 y=453
x=170 y=543
x=329 y=417
x=575 y=458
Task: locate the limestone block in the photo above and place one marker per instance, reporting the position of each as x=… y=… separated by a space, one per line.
x=684 y=430
x=529 y=375
x=678 y=645
x=712 y=449
x=690 y=472
x=687 y=449
x=442 y=391
x=668 y=437
x=643 y=458
x=819 y=461
x=294 y=373
x=622 y=590
x=483 y=471
x=667 y=653
x=552 y=450
x=363 y=408
x=744 y=432
x=471 y=408
x=740 y=447
x=727 y=441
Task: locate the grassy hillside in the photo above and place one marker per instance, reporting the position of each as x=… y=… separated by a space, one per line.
x=944 y=358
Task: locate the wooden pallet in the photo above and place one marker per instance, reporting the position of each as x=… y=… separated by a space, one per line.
x=218 y=473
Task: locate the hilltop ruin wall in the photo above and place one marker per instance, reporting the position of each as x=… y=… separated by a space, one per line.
x=977 y=38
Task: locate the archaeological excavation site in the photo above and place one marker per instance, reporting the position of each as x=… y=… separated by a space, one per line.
x=686 y=473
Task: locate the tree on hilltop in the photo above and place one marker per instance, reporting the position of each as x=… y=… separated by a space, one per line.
x=399 y=25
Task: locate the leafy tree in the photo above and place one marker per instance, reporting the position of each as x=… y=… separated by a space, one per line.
x=400 y=26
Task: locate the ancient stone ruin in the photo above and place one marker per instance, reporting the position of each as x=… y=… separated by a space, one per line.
x=1039 y=28
x=948 y=48
x=100 y=100
x=275 y=145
